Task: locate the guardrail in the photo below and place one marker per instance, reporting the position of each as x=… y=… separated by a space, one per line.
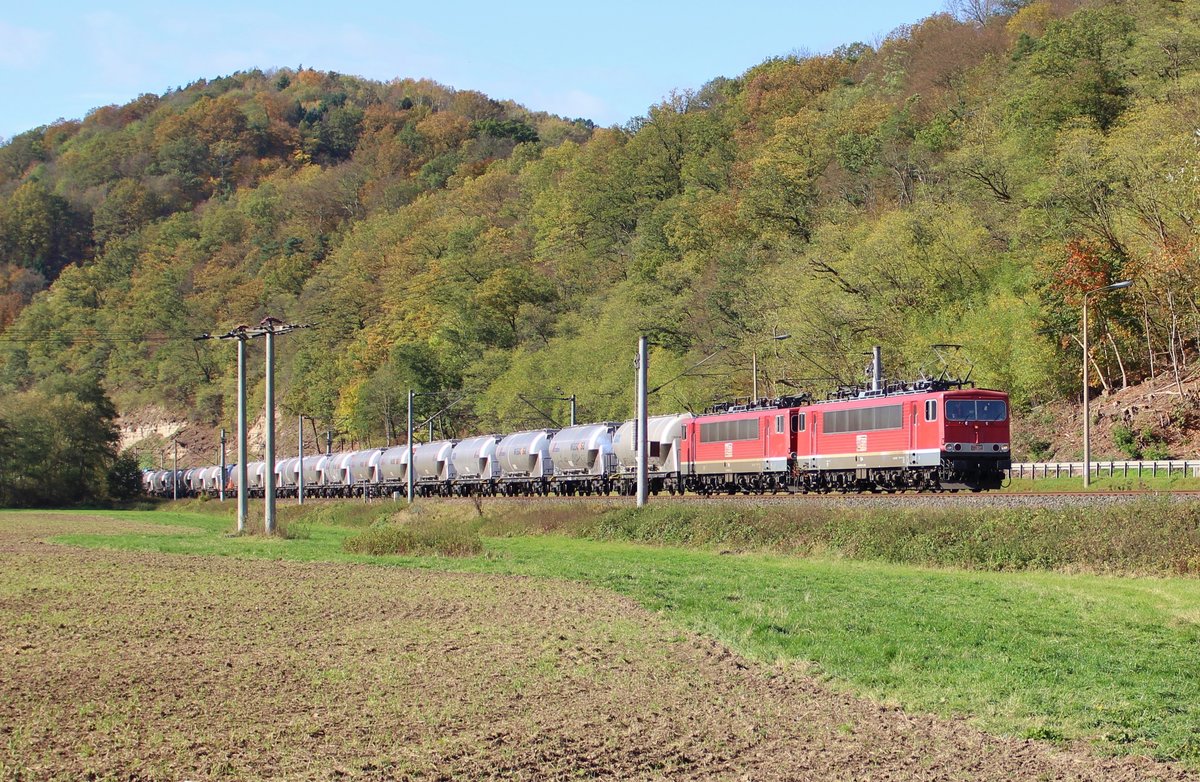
x=1105 y=468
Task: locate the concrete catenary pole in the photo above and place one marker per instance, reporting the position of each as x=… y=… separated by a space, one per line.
x=410 y=446
x=269 y=434
x=242 y=478
x=572 y=409
x=300 y=453
x=643 y=476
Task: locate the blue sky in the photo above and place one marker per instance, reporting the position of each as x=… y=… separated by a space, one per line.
x=606 y=61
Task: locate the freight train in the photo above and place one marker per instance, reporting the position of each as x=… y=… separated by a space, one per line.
x=927 y=435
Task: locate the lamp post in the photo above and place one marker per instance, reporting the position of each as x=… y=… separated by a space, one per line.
x=1087 y=414
x=775 y=337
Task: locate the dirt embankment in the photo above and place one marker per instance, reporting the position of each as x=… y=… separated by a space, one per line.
x=149 y=431
x=1162 y=417
x=143 y=666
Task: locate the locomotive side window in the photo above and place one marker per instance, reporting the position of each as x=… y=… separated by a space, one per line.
x=729 y=431
x=931 y=410
x=778 y=424
x=864 y=419
x=798 y=421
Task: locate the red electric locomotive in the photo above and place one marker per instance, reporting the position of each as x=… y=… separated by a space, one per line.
x=931 y=435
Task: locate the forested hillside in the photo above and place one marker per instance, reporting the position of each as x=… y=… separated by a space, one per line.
x=962 y=183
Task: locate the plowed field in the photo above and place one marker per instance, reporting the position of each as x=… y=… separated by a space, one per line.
x=143 y=666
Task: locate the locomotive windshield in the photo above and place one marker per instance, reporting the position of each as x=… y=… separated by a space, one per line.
x=976 y=410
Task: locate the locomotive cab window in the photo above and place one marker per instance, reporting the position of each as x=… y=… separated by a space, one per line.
x=778 y=424
x=931 y=410
x=984 y=410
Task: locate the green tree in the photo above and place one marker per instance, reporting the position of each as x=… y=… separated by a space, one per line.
x=59 y=443
x=124 y=478
x=39 y=230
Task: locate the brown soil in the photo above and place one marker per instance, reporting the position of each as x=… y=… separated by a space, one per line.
x=141 y=666
x=1167 y=410
x=148 y=432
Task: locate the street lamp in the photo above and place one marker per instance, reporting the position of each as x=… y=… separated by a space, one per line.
x=776 y=337
x=1087 y=415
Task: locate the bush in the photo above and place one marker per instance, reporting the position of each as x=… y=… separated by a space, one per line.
x=504 y=519
x=1126 y=441
x=418 y=537
x=344 y=514
x=1146 y=444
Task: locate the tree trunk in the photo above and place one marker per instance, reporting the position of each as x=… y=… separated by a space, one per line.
x=1100 y=375
x=1095 y=367
x=1174 y=340
x=1120 y=363
x=1146 y=330
x=1195 y=323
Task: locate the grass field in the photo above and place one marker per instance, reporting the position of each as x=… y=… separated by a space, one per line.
x=1108 y=660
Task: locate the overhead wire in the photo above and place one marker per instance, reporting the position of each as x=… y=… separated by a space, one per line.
x=107 y=334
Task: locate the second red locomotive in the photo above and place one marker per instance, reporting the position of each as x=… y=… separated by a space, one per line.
x=930 y=434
